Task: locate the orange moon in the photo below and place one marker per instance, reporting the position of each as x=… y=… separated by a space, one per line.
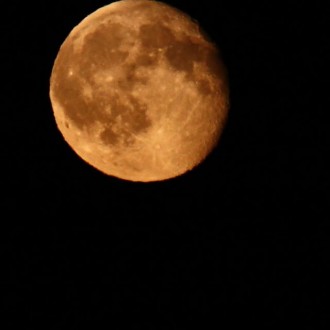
x=139 y=91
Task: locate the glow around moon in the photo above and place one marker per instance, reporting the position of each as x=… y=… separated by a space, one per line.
x=139 y=92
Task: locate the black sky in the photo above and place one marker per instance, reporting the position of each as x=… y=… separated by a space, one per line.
x=243 y=236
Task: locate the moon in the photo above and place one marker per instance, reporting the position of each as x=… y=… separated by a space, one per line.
x=139 y=91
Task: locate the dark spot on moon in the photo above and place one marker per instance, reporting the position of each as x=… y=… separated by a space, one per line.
x=147 y=59
x=102 y=46
x=82 y=111
x=76 y=107
x=213 y=63
x=182 y=54
x=136 y=116
x=85 y=113
x=203 y=86
x=129 y=78
x=108 y=136
x=154 y=36
x=133 y=121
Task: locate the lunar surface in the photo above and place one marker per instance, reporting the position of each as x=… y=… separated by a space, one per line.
x=139 y=92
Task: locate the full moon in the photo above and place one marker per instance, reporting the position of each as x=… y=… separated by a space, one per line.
x=139 y=91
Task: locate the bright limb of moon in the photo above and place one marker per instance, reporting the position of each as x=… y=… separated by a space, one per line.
x=139 y=92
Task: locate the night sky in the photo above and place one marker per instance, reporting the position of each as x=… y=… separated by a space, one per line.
x=244 y=237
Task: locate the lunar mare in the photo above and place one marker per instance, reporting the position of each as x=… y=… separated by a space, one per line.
x=139 y=92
